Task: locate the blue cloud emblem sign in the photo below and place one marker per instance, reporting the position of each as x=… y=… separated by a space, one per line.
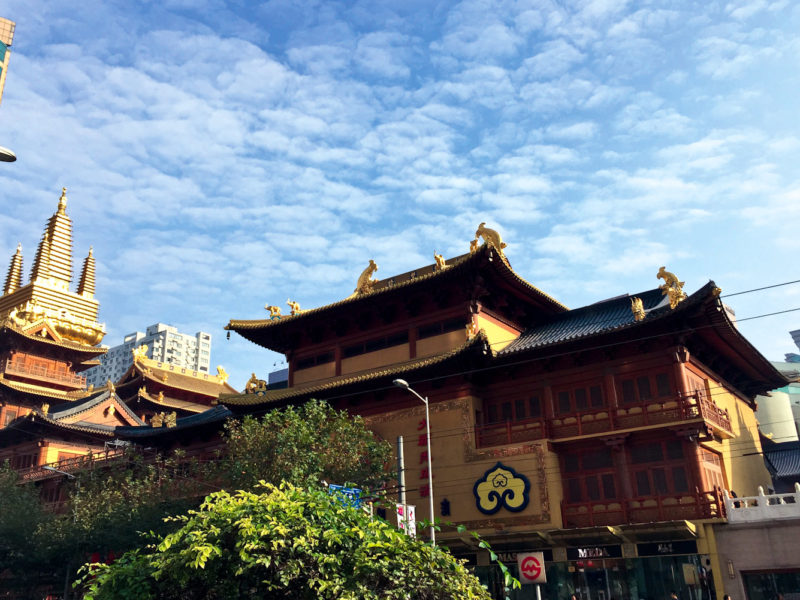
x=501 y=487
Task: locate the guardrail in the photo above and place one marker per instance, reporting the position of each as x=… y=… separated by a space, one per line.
x=764 y=507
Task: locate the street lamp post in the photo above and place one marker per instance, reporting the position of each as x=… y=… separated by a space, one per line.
x=402 y=383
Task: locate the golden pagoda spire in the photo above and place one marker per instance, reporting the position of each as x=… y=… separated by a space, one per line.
x=14 y=277
x=86 y=282
x=54 y=256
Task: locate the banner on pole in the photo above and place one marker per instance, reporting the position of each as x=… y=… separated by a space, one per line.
x=407 y=519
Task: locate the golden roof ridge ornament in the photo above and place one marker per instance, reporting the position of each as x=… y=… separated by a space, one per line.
x=139 y=352
x=294 y=306
x=274 y=311
x=441 y=262
x=638 y=309
x=672 y=287
x=366 y=283
x=492 y=239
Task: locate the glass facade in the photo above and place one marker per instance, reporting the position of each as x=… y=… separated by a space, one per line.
x=772 y=585
x=603 y=574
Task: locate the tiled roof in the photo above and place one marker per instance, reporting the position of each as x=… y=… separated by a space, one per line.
x=62 y=412
x=784 y=458
x=68 y=344
x=400 y=281
x=344 y=380
x=36 y=390
x=168 y=402
x=601 y=317
x=218 y=413
x=210 y=387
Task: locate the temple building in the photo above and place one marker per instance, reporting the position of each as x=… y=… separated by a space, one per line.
x=152 y=387
x=49 y=334
x=602 y=436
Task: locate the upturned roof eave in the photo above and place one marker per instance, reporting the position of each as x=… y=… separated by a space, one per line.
x=255 y=330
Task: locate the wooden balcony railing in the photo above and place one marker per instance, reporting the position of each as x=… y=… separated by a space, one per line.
x=604 y=420
x=16 y=367
x=700 y=505
x=68 y=465
x=509 y=432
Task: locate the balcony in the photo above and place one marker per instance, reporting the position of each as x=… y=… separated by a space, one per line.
x=764 y=507
x=18 y=367
x=605 y=420
x=68 y=465
x=701 y=505
x=509 y=432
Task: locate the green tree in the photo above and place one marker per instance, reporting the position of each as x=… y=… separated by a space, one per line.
x=303 y=445
x=22 y=514
x=283 y=542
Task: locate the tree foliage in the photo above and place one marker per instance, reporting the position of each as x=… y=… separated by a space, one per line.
x=283 y=542
x=304 y=445
x=109 y=506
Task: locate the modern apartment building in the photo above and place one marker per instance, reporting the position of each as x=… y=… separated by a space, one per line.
x=164 y=344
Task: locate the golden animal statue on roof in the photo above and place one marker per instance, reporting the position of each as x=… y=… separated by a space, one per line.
x=672 y=287
x=255 y=385
x=441 y=262
x=139 y=352
x=222 y=374
x=274 y=311
x=491 y=237
x=473 y=245
x=638 y=309
x=294 y=306
x=365 y=282
x=171 y=420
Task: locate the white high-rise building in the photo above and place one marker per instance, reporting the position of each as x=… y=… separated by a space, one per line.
x=164 y=344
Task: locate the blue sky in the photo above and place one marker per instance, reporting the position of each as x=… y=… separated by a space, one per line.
x=223 y=155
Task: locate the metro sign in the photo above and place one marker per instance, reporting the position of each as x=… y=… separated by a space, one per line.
x=531 y=567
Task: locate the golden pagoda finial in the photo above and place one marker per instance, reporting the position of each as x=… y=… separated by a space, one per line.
x=638 y=309
x=671 y=287
x=14 y=277
x=62 y=202
x=86 y=282
x=53 y=262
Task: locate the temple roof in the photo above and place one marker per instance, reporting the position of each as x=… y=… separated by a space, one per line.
x=595 y=319
x=701 y=315
x=31 y=333
x=275 y=396
x=259 y=330
x=162 y=402
x=38 y=394
x=784 y=458
x=213 y=415
x=168 y=376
